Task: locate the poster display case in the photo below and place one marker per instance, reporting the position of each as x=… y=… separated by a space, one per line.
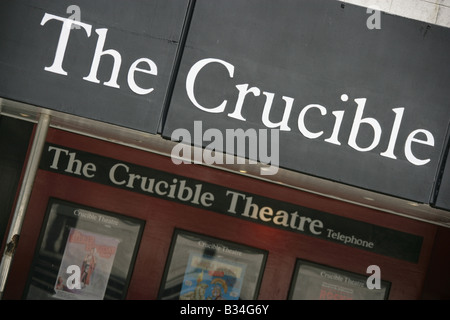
x=83 y=254
x=318 y=282
x=205 y=268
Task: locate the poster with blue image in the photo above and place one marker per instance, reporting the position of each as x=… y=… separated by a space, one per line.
x=208 y=278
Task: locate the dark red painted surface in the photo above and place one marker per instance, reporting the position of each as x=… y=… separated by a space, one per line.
x=162 y=217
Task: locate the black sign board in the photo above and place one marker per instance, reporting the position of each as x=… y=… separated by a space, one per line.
x=353 y=103
x=235 y=203
x=108 y=60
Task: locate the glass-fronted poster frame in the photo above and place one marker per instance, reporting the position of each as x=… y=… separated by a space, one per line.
x=313 y=281
x=205 y=268
x=83 y=254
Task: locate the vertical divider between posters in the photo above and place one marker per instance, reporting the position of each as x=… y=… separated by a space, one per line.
x=441 y=168
x=176 y=66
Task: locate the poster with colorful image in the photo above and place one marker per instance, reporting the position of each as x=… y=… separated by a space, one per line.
x=86 y=266
x=207 y=278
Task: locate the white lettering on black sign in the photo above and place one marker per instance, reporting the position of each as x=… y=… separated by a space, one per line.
x=143 y=65
x=420 y=136
x=220 y=199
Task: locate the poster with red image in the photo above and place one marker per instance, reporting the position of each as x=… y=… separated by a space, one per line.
x=86 y=266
